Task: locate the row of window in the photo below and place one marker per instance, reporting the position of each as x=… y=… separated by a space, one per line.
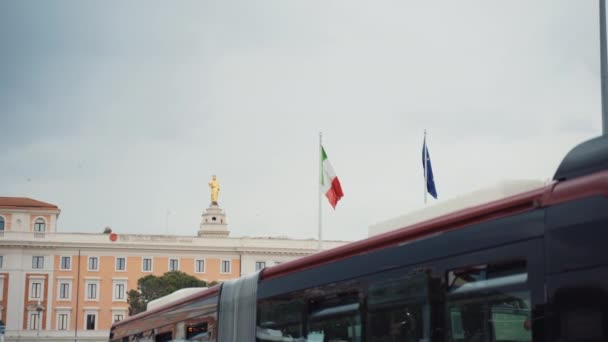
x=146 y=265
x=480 y=303
x=39 y=225
x=63 y=320
x=64 y=290
x=121 y=264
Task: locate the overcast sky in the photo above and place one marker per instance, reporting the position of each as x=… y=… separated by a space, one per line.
x=117 y=111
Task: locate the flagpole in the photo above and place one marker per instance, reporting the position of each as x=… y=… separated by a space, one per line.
x=319 y=246
x=424 y=155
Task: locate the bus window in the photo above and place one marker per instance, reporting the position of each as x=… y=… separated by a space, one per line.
x=280 y=318
x=487 y=303
x=398 y=308
x=164 y=337
x=335 y=318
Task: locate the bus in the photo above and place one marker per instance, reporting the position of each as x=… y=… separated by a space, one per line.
x=529 y=267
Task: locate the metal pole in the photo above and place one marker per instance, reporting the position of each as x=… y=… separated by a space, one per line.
x=604 y=67
x=319 y=246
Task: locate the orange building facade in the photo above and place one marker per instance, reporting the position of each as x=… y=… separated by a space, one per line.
x=72 y=286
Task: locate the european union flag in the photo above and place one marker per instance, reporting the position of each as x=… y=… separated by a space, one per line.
x=428 y=170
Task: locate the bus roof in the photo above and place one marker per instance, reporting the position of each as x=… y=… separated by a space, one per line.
x=503 y=190
x=551 y=194
x=483 y=212
x=174 y=297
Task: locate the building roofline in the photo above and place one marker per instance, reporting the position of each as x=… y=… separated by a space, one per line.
x=25 y=203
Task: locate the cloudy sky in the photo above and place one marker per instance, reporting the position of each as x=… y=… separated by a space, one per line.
x=118 y=111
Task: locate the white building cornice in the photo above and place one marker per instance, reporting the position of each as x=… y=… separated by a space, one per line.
x=155 y=243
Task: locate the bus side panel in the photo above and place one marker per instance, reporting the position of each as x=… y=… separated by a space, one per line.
x=576 y=234
x=481 y=236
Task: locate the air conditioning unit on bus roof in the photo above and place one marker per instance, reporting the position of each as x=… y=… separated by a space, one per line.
x=179 y=294
x=502 y=190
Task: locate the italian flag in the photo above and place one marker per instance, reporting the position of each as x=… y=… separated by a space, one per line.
x=330 y=185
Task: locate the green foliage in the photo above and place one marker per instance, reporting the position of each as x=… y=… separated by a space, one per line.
x=152 y=287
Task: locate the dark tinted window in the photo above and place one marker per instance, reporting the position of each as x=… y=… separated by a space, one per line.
x=398 y=308
x=163 y=337
x=336 y=318
x=489 y=303
x=281 y=317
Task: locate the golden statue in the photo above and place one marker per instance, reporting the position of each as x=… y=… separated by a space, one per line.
x=215 y=190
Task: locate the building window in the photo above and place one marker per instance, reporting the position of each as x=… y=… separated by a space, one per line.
x=146 y=265
x=93 y=264
x=173 y=264
x=200 y=266
x=1 y=223
x=64 y=290
x=63 y=320
x=118 y=317
x=120 y=290
x=259 y=265
x=40 y=225
x=34 y=320
x=66 y=263
x=92 y=291
x=121 y=264
x=225 y=266
x=1 y=260
x=38 y=262
x=36 y=290
x=91 y=321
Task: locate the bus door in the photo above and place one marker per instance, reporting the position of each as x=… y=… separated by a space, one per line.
x=494 y=295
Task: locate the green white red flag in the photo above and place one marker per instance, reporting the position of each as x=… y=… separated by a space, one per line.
x=330 y=184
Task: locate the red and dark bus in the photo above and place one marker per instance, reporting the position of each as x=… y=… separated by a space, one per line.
x=529 y=267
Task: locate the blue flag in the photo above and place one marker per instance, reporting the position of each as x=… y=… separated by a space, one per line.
x=428 y=170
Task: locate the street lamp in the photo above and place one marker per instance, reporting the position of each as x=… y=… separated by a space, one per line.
x=39 y=309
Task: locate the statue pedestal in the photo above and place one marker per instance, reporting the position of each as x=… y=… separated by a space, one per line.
x=213 y=222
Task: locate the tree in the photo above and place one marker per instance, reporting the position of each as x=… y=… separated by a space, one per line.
x=152 y=287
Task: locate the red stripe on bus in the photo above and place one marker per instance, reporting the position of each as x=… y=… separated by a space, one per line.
x=585 y=186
